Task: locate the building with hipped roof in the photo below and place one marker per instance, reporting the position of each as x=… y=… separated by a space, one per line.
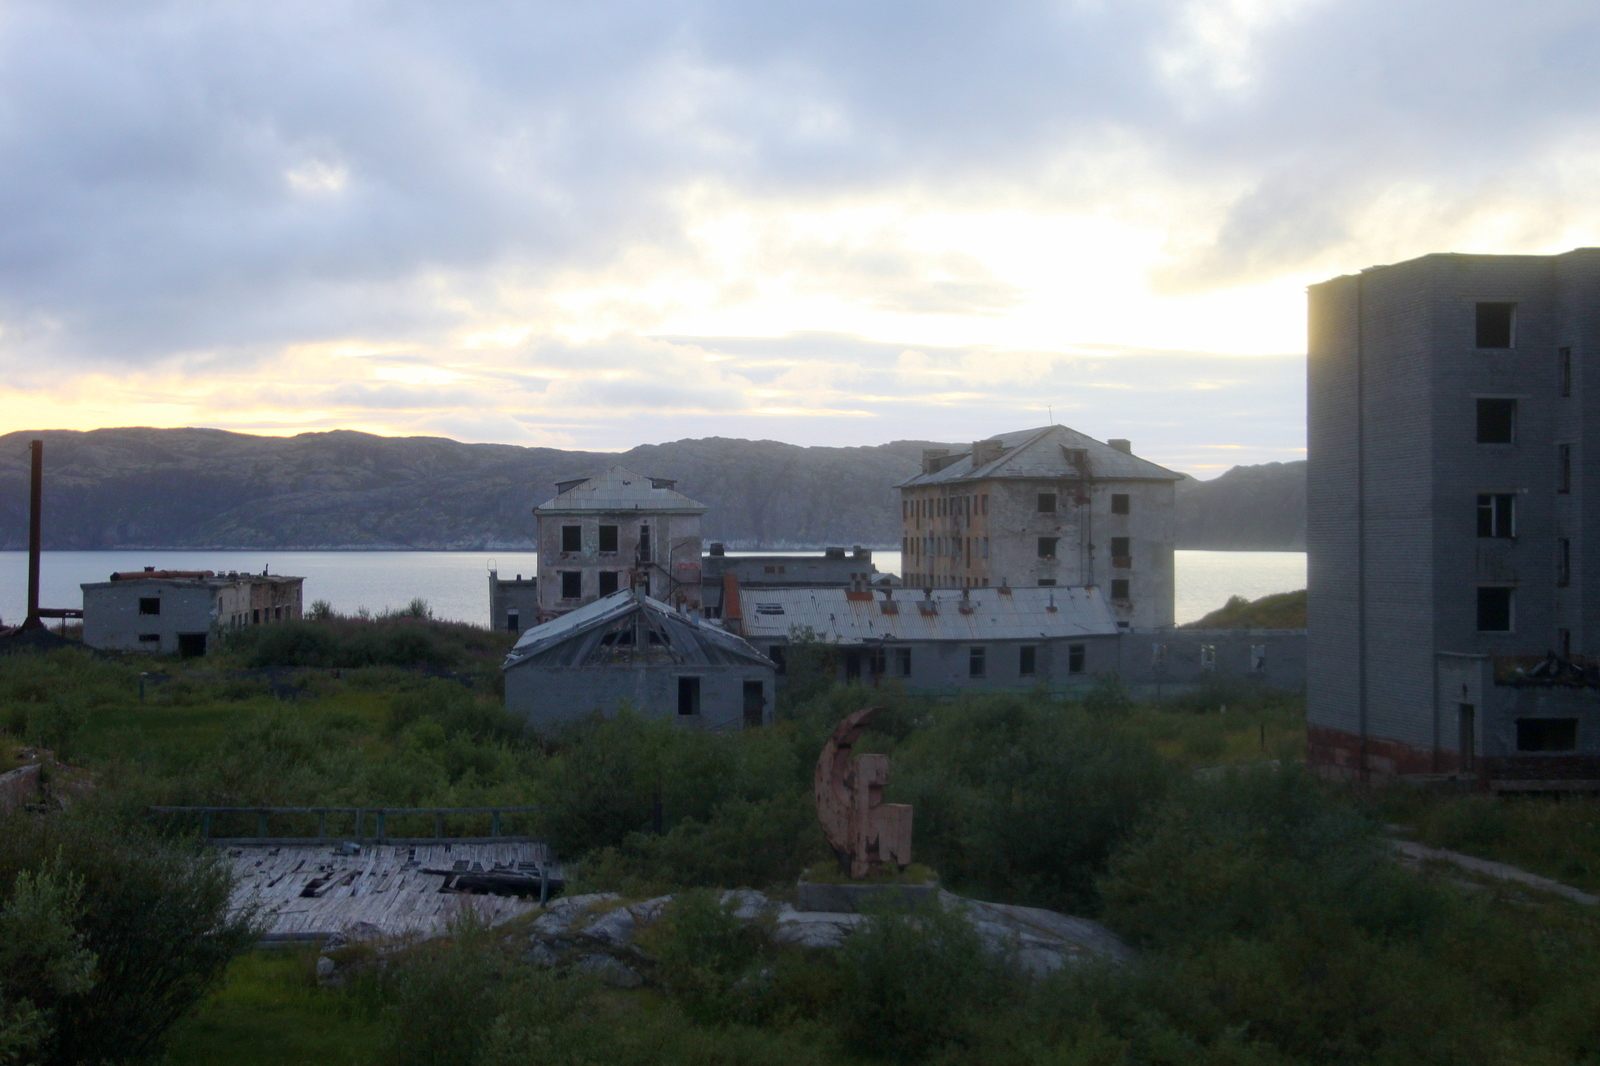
x=630 y=648
x=1044 y=507
x=617 y=530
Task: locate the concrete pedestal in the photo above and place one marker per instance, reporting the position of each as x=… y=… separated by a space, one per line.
x=845 y=897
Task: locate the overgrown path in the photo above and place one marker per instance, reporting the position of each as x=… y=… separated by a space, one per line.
x=1500 y=871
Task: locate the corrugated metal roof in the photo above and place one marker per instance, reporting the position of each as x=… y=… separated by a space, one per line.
x=1020 y=614
x=1042 y=453
x=620 y=489
x=689 y=638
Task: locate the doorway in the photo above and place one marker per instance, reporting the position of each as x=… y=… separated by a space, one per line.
x=1467 y=734
x=755 y=704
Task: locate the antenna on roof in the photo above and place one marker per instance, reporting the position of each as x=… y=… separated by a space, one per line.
x=1052 y=411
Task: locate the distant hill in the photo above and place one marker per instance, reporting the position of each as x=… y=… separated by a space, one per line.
x=204 y=488
x=1281 y=610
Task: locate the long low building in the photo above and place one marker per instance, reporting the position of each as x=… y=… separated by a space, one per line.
x=943 y=639
x=175 y=611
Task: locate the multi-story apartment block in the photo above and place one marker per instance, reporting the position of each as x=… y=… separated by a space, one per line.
x=614 y=531
x=1044 y=507
x=1453 y=615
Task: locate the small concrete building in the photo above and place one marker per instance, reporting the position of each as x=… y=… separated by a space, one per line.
x=617 y=530
x=1045 y=507
x=944 y=640
x=629 y=647
x=513 y=602
x=835 y=567
x=176 y=611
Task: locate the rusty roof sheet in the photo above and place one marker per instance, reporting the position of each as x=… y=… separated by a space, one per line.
x=837 y=616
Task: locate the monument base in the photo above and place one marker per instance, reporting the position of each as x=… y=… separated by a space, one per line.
x=847 y=896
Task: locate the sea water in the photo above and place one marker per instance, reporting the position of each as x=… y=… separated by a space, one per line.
x=456 y=584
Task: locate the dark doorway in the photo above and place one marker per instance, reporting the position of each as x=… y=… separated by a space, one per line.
x=1467 y=734
x=852 y=666
x=688 y=695
x=191 y=644
x=755 y=703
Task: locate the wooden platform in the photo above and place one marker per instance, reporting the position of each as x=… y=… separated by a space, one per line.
x=311 y=891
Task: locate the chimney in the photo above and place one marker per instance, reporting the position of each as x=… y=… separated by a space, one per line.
x=717 y=548
x=985 y=452
x=1121 y=445
x=931 y=457
x=35 y=541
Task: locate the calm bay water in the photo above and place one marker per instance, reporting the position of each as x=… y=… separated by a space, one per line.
x=456 y=584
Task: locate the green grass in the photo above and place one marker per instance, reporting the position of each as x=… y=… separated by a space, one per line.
x=271 y=1013
x=1555 y=836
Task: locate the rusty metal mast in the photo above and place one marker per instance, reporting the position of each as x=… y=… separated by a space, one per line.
x=35 y=499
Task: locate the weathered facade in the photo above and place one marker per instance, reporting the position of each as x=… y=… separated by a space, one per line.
x=943 y=640
x=835 y=567
x=1045 y=507
x=513 y=602
x=175 y=611
x=628 y=648
x=1453 y=614
x=617 y=530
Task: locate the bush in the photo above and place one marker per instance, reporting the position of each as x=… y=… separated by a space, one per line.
x=704 y=952
x=42 y=958
x=154 y=914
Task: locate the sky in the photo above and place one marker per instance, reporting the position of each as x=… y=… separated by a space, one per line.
x=600 y=224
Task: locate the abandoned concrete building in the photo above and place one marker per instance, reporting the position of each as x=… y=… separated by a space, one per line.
x=513 y=602
x=942 y=640
x=835 y=567
x=1044 y=507
x=629 y=648
x=617 y=530
x=175 y=611
x=1453 y=619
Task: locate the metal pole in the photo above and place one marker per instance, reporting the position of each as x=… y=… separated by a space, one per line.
x=35 y=496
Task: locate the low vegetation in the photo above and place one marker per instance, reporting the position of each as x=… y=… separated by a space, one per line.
x=1281 y=610
x=1272 y=924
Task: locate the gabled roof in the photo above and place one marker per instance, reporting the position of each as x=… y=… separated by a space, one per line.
x=630 y=628
x=844 y=616
x=1047 y=453
x=619 y=489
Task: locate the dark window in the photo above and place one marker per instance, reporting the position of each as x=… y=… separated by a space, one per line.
x=1496 y=514
x=1121 y=553
x=149 y=638
x=149 y=604
x=255 y=615
x=1547 y=734
x=688 y=695
x=1119 y=503
x=1119 y=589
x=572 y=538
x=1494 y=610
x=1045 y=582
x=644 y=544
x=1466 y=734
x=1565 y=372
x=1564 y=642
x=755 y=703
x=608 y=582
x=775 y=653
x=852 y=666
x=608 y=538
x=977 y=662
x=513 y=621
x=572 y=584
x=1563 y=562
x=1047 y=547
x=1563 y=468
x=1495 y=324
x=983 y=503
x=1075 y=658
x=1027 y=660
x=1497 y=421
x=191 y=645
x=902 y=661
x=1047 y=503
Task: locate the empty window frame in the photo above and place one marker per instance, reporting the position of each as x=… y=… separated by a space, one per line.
x=755 y=703
x=1121 y=552
x=1258 y=658
x=983 y=503
x=572 y=584
x=1497 y=421
x=1208 y=658
x=902 y=662
x=149 y=604
x=978 y=662
x=1547 y=734
x=1564 y=468
x=1047 y=582
x=608 y=538
x=1075 y=656
x=1563 y=562
x=1119 y=503
x=1494 y=610
x=1119 y=589
x=608 y=582
x=1497 y=514
x=1027 y=660
x=1047 y=503
x=688 y=695
x=513 y=621
x=1047 y=547
x=644 y=544
x=1496 y=325
x=1564 y=370
x=149 y=638
x=572 y=538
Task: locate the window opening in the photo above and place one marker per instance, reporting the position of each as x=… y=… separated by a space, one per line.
x=688 y=695
x=1208 y=658
x=513 y=618
x=1258 y=658
x=1564 y=468
x=1494 y=610
x=755 y=703
x=572 y=538
x=1075 y=658
x=902 y=658
x=608 y=582
x=1119 y=589
x=977 y=662
x=572 y=584
x=1496 y=514
x=1027 y=660
x=1547 y=734
x=1565 y=356
x=1466 y=734
x=1047 y=547
x=1496 y=324
x=608 y=538
x=644 y=544
x=1119 y=503
x=149 y=604
x=1497 y=421
x=149 y=638
x=1047 y=503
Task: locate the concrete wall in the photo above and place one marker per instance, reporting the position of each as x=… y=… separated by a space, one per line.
x=111 y=618
x=513 y=602
x=548 y=696
x=674 y=546
x=1275 y=657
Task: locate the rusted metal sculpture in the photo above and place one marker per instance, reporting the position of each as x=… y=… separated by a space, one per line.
x=867 y=834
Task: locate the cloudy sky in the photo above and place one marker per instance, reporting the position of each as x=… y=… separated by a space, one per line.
x=611 y=222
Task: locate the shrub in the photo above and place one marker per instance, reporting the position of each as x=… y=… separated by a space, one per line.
x=42 y=958
x=704 y=952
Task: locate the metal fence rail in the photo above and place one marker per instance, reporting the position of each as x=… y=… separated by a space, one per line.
x=358 y=817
